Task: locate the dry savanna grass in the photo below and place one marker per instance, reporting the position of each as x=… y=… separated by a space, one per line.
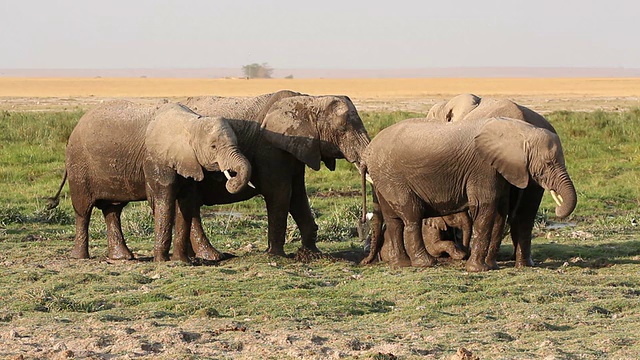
x=543 y=94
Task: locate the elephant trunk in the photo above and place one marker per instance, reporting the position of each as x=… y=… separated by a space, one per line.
x=234 y=161
x=354 y=149
x=564 y=195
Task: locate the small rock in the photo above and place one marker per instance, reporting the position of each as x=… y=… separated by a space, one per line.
x=59 y=347
x=464 y=354
x=66 y=354
x=579 y=234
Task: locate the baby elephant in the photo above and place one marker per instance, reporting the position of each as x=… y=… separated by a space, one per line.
x=121 y=152
x=433 y=227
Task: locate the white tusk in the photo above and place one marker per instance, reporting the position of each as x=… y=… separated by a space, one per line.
x=557 y=198
x=369 y=179
x=226 y=173
x=250 y=184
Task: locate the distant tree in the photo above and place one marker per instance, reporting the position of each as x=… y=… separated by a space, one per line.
x=290 y=76
x=257 y=71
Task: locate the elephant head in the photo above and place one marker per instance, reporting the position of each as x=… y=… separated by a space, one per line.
x=188 y=142
x=317 y=128
x=455 y=109
x=520 y=152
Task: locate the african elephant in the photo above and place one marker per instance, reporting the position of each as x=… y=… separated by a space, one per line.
x=524 y=203
x=121 y=152
x=280 y=133
x=433 y=227
x=423 y=168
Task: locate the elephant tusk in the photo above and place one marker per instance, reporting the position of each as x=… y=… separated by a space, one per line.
x=228 y=176
x=557 y=198
x=369 y=179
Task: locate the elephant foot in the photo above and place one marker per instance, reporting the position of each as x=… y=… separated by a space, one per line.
x=402 y=262
x=210 y=254
x=521 y=263
x=310 y=247
x=159 y=257
x=275 y=252
x=493 y=265
x=458 y=254
x=423 y=261
x=79 y=253
x=368 y=260
x=477 y=266
x=180 y=257
x=446 y=247
x=120 y=253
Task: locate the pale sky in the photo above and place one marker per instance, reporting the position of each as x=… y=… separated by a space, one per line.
x=318 y=34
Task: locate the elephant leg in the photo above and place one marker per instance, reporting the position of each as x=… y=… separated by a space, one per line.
x=467 y=230
x=81 y=244
x=164 y=215
x=301 y=211
x=200 y=244
x=483 y=218
x=522 y=225
x=414 y=244
x=182 y=249
x=278 y=200
x=377 y=231
x=392 y=250
x=496 y=237
x=116 y=246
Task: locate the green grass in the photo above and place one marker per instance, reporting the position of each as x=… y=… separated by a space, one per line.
x=580 y=302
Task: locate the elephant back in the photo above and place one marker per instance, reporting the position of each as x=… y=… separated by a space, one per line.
x=240 y=108
x=490 y=107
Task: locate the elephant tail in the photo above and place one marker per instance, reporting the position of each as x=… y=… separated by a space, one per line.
x=363 y=171
x=376 y=221
x=53 y=202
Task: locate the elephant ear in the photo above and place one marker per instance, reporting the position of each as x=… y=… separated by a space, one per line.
x=290 y=125
x=168 y=141
x=501 y=143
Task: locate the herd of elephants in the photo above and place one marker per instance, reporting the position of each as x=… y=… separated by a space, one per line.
x=472 y=163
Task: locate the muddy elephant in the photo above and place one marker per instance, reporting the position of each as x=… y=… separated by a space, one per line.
x=524 y=203
x=433 y=229
x=281 y=133
x=423 y=168
x=121 y=152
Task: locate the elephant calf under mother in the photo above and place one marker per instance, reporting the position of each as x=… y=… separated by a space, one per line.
x=423 y=168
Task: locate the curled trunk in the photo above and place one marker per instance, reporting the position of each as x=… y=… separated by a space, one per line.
x=238 y=163
x=567 y=197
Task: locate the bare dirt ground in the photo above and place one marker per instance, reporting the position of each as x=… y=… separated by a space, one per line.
x=418 y=95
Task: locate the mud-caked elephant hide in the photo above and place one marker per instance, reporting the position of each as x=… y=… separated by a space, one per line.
x=524 y=203
x=281 y=133
x=121 y=152
x=423 y=169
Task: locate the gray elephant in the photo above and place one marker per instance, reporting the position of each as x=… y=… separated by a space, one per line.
x=280 y=133
x=423 y=168
x=121 y=152
x=524 y=203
